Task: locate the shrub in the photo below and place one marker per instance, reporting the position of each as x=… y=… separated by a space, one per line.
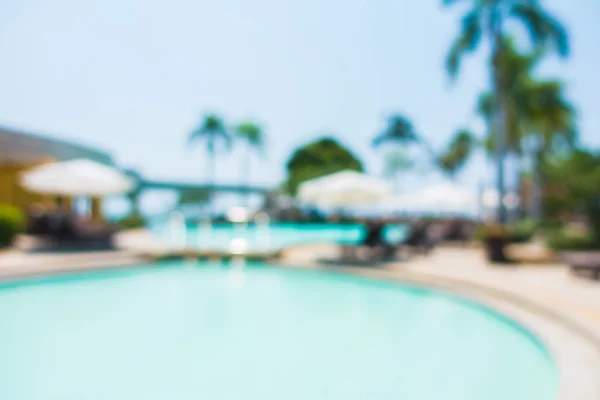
x=132 y=221
x=565 y=241
x=492 y=231
x=516 y=232
x=12 y=222
x=522 y=231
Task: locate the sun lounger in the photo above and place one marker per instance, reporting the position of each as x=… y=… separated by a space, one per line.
x=584 y=262
x=419 y=239
x=593 y=269
x=63 y=231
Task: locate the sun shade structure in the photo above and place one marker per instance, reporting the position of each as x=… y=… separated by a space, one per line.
x=76 y=178
x=345 y=188
x=444 y=199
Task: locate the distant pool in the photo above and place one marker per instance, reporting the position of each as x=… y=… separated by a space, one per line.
x=275 y=237
x=258 y=333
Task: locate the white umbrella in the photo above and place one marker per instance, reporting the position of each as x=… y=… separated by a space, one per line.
x=445 y=198
x=345 y=188
x=76 y=178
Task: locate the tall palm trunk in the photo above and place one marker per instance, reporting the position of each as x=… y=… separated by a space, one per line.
x=537 y=185
x=498 y=121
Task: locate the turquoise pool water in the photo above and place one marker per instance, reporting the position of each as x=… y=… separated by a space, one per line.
x=187 y=332
x=275 y=237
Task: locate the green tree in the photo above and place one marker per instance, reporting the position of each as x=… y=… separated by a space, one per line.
x=319 y=158
x=456 y=155
x=253 y=137
x=490 y=19
x=574 y=187
x=516 y=70
x=211 y=130
x=399 y=130
x=192 y=196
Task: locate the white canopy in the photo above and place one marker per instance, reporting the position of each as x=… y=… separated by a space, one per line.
x=444 y=198
x=76 y=178
x=345 y=188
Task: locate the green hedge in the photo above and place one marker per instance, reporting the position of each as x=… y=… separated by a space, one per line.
x=522 y=231
x=514 y=232
x=12 y=222
x=564 y=241
x=133 y=221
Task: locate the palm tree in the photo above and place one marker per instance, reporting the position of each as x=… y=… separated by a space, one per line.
x=253 y=136
x=536 y=112
x=489 y=19
x=400 y=130
x=212 y=130
x=550 y=120
x=516 y=71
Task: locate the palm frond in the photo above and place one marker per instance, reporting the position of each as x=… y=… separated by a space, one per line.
x=545 y=31
x=485 y=105
x=467 y=41
x=211 y=128
x=449 y=3
x=458 y=152
x=399 y=129
x=550 y=114
x=251 y=133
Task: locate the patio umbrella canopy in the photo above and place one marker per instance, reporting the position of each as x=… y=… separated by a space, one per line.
x=445 y=199
x=345 y=188
x=76 y=178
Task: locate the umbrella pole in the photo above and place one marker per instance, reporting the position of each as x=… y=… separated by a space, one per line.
x=96 y=212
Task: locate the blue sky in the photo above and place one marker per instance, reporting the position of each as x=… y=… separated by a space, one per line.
x=134 y=76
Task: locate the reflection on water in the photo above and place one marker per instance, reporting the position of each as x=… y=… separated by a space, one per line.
x=205 y=231
x=177 y=230
x=237 y=273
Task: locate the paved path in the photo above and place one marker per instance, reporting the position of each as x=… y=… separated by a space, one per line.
x=134 y=247
x=553 y=285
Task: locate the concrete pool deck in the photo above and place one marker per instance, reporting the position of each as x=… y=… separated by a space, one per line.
x=563 y=310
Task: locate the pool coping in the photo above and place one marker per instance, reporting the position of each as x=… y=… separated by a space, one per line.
x=574 y=348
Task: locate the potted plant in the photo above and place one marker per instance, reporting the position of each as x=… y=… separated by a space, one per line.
x=495 y=238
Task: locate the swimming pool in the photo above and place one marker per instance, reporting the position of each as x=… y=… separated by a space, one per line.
x=274 y=237
x=181 y=332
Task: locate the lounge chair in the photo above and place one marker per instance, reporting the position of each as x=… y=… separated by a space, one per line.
x=374 y=248
x=79 y=234
x=64 y=231
x=584 y=262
